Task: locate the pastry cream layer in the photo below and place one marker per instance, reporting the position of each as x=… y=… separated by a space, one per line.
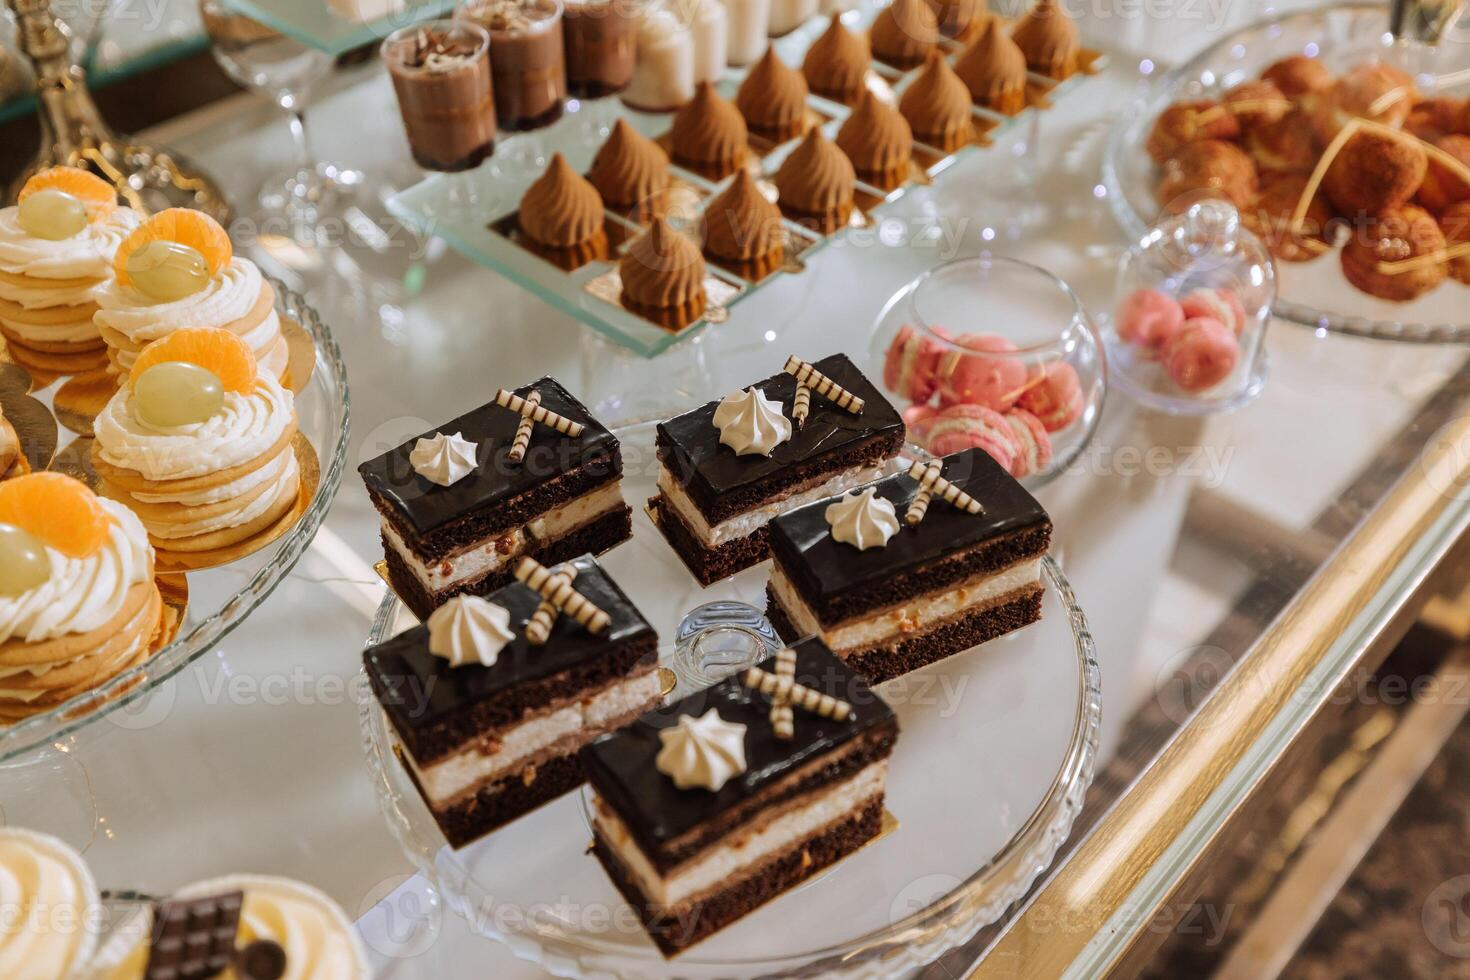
x=748 y=522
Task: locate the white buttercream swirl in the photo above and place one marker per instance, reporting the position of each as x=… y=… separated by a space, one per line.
x=443 y=459
x=50 y=900
x=82 y=594
x=244 y=428
x=704 y=752
x=469 y=630
x=863 y=520
x=86 y=255
x=751 y=424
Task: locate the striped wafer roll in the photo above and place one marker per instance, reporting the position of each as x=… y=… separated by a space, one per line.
x=557 y=590
x=519 y=405
x=782 y=719
x=918 y=507
x=824 y=705
x=523 y=431
x=538 y=630
x=929 y=479
x=803 y=405
x=809 y=376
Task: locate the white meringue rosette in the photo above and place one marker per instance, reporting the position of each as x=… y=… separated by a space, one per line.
x=704 y=752
x=863 y=520
x=751 y=424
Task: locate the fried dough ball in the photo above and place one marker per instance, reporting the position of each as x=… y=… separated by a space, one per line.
x=1374 y=173
x=1209 y=168
x=1189 y=122
x=1358 y=92
x=1269 y=216
x=1403 y=233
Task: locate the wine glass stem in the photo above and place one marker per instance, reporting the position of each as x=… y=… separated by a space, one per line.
x=296 y=118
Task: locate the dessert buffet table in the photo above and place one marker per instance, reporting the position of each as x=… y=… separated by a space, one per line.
x=1292 y=541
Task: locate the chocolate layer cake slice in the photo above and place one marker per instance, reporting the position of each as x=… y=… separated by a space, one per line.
x=936 y=588
x=718 y=487
x=490 y=722
x=709 y=808
x=458 y=508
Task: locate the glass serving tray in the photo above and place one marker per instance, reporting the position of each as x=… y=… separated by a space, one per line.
x=481 y=231
x=317 y=24
x=1315 y=293
x=996 y=751
x=218 y=599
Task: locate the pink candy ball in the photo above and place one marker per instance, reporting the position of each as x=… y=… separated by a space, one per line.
x=1201 y=354
x=1221 y=305
x=962 y=427
x=1056 y=399
x=1148 y=318
x=986 y=378
x=916 y=415
x=1033 y=445
x=911 y=366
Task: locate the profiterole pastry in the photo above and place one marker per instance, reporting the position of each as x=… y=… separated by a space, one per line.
x=1299 y=76
x=742 y=230
x=664 y=77
x=709 y=135
x=937 y=106
x=994 y=70
x=529 y=474
x=1442 y=186
x=1287 y=145
x=1377 y=92
x=904 y=33
x=1455 y=226
x=1257 y=103
x=816 y=185
x=663 y=277
x=836 y=65
x=1208 y=168
x=773 y=99
x=1404 y=233
x=561 y=216
x=56 y=252
x=631 y=173
x=520 y=680
x=50 y=894
x=1374 y=172
x=1047 y=36
x=78 y=601
x=197 y=442
x=878 y=141
x=1188 y=122
x=961 y=20
x=178 y=269
x=1269 y=217
x=10 y=454
x=1433 y=118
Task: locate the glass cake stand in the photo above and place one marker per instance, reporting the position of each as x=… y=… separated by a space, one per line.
x=1314 y=294
x=217 y=600
x=339 y=27
x=974 y=827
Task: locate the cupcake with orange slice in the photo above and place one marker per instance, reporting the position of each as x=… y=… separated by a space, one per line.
x=56 y=252
x=178 y=269
x=198 y=443
x=78 y=600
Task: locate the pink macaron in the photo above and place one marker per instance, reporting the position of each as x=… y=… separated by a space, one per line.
x=911 y=366
x=1055 y=399
x=961 y=427
x=987 y=377
x=917 y=415
x=1201 y=354
x=1215 y=304
x=1033 y=445
x=1147 y=318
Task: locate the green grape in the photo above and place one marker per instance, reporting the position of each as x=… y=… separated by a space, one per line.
x=177 y=393
x=168 y=271
x=23 y=561
x=53 y=215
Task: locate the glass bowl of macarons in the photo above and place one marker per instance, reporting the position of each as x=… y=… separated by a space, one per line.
x=993 y=353
x=173 y=427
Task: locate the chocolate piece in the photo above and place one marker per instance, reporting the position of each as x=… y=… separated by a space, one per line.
x=194 y=939
x=670 y=824
x=263 y=959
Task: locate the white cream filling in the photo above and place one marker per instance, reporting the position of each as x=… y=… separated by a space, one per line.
x=910 y=617
x=724 y=864
x=493 y=555
x=443 y=781
x=750 y=521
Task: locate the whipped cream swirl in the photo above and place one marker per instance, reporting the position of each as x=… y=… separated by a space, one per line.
x=751 y=424
x=82 y=594
x=49 y=898
x=443 y=460
x=469 y=630
x=863 y=520
x=704 y=752
x=86 y=255
x=244 y=428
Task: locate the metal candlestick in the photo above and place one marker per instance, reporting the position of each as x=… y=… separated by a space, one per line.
x=73 y=132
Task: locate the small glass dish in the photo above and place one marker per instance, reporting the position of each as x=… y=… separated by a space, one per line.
x=1188 y=334
x=994 y=353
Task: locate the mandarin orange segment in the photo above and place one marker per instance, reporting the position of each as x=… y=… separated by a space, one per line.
x=192 y=228
x=59 y=510
x=86 y=187
x=218 y=351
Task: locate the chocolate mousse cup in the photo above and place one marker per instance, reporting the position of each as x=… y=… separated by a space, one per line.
x=527 y=59
x=601 y=46
x=441 y=74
